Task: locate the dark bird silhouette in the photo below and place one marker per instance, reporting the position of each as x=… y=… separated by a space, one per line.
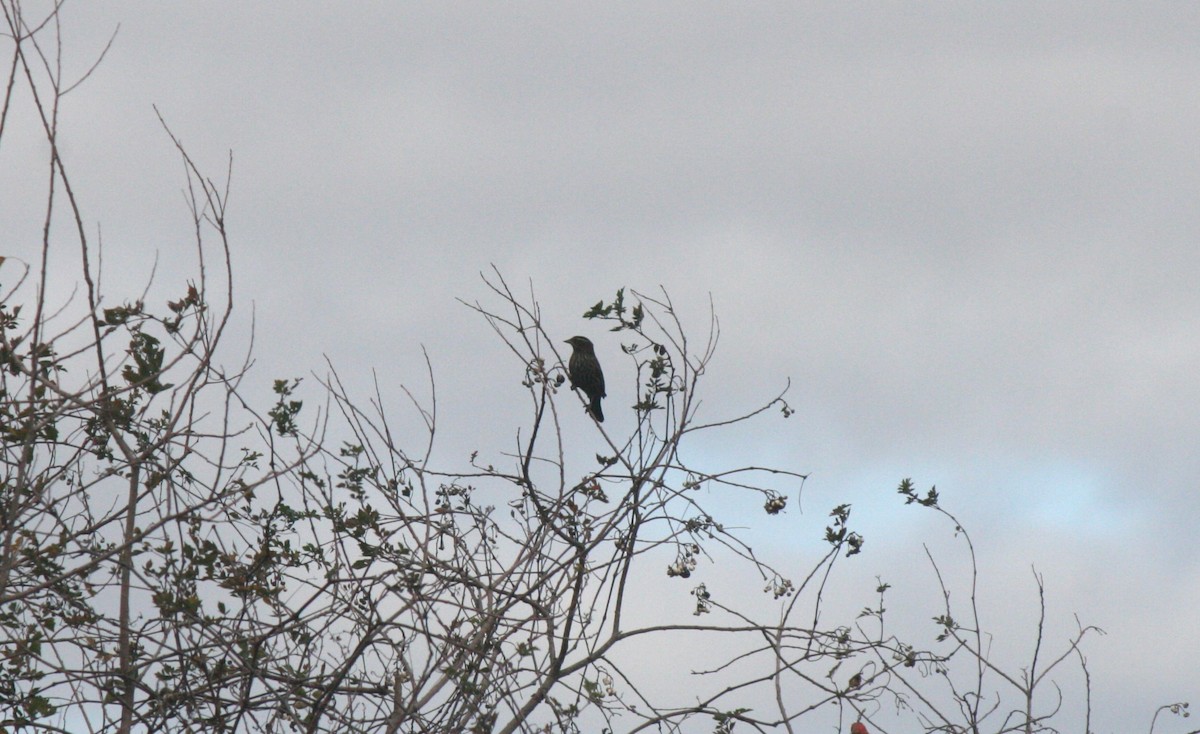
x=585 y=373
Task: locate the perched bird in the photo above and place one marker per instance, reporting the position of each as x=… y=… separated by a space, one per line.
x=585 y=373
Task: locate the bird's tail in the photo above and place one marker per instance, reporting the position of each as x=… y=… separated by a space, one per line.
x=596 y=411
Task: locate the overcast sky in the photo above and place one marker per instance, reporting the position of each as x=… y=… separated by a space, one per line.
x=968 y=233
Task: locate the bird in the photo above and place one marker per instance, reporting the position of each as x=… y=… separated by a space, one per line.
x=584 y=370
